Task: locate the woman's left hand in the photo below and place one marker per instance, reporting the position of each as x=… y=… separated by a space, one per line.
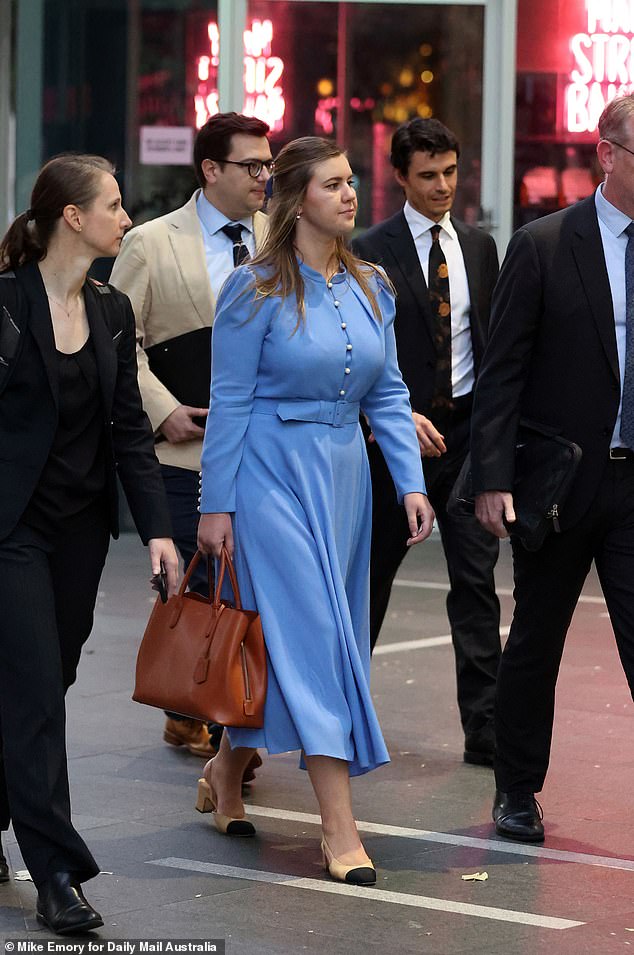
x=420 y=517
x=162 y=550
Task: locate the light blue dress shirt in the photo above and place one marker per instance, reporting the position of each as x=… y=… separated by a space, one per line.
x=218 y=246
x=612 y=225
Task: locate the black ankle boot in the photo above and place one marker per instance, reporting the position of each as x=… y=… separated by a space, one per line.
x=62 y=907
x=4 y=866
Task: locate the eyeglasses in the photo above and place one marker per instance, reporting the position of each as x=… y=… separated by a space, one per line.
x=626 y=148
x=253 y=166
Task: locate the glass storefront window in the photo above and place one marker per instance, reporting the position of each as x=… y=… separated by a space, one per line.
x=84 y=78
x=133 y=80
x=354 y=72
x=565 y=76
x=172 y=39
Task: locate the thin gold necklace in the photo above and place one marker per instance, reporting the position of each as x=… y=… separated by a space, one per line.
x=59 y=304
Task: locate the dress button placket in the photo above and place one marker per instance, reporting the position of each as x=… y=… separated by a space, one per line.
x=344 y=327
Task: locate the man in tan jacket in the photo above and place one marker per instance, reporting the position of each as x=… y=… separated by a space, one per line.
x=172 y=268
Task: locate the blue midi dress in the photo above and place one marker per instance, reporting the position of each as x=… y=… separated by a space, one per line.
x=285 y=455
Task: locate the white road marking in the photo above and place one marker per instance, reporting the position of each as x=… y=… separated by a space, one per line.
x=500 y=591
x=422 y=644
x=377 y=895
x=449 y=838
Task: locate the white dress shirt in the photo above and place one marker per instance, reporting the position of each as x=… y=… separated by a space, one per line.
x=462 y=376
x=218 y=246
x=612 y=225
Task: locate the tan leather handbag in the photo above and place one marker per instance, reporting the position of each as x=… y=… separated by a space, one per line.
x=204 y=658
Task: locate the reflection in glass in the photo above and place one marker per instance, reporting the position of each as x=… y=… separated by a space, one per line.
x=354 y=72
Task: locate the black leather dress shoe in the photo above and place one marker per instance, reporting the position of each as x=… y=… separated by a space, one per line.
x=62 y=907
x=4 y=867
x=518 y=816
x=479 y=748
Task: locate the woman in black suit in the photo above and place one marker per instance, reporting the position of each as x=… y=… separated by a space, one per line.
x=70 y=419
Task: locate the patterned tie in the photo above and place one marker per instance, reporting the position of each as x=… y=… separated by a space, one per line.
x=240 y=250
x=627 y=399
x=440 y=301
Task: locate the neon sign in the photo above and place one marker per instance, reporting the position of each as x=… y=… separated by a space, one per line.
x=263 y=92
x=603 y=63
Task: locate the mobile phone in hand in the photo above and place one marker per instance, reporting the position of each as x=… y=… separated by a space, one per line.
x=159 y=583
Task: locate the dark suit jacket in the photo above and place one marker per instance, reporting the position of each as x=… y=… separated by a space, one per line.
x=552 y=353
x=390 y=244
x=29 y=394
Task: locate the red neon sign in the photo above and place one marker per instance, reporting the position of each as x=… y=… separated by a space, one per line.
x=603 y=60
x=263 y=92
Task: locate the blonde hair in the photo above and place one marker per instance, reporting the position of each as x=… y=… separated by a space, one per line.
x=613 y=120
x=280 y=274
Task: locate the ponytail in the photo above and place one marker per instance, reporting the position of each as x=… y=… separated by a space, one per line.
x=21 y=244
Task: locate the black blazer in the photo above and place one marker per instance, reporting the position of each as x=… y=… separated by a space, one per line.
x=552 y=353
x=29 y=394
x=390 y=244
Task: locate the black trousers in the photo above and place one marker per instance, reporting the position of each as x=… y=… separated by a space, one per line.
x=471 y=553
x=548 y=583
x=182 y=489
x=48 y=589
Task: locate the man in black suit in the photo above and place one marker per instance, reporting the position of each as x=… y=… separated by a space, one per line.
x=444 y=272
x=561 y=353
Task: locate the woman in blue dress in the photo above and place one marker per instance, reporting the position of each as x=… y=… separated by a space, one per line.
x=303 y=341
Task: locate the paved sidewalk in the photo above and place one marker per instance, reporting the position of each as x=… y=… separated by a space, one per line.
x=168 y=874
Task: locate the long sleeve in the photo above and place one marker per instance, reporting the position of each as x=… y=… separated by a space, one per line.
x=390 y=415
x=515 y=314
x=238 y=335
x=134 y=444
x=131 y=274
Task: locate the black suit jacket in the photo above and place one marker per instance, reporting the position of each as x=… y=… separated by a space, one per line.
x=552 y=353
x=29 y=395
x=390 y=244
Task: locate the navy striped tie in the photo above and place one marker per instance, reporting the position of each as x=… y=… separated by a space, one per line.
x=240 y=250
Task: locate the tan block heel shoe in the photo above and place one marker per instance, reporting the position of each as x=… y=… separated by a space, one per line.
x=352 y=874
x=207 y=802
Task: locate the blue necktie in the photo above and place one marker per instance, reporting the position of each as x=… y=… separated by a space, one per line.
x=627 y=399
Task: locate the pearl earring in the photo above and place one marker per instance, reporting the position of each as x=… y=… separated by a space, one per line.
x=298 y=216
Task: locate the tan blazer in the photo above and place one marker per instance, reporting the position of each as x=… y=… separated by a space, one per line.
x=162 y=268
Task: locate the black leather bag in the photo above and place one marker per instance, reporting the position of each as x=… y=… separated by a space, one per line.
x=545 y=466
x=183 y=365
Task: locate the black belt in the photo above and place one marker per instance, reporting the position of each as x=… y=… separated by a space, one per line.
x=621 y=454
x=458 y=408
x=462 y=404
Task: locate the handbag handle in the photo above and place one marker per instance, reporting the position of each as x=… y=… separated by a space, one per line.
x=227 y=564
x=179 y=597
x=190 y=570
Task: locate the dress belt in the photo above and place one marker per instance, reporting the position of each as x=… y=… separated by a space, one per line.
x=335 y=413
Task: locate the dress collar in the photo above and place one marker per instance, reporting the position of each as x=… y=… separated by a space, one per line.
x=213 y=220
x=419 y=224
x=611 y=217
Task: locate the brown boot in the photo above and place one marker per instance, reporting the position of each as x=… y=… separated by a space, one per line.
x=254 y=763
x=189 y=733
